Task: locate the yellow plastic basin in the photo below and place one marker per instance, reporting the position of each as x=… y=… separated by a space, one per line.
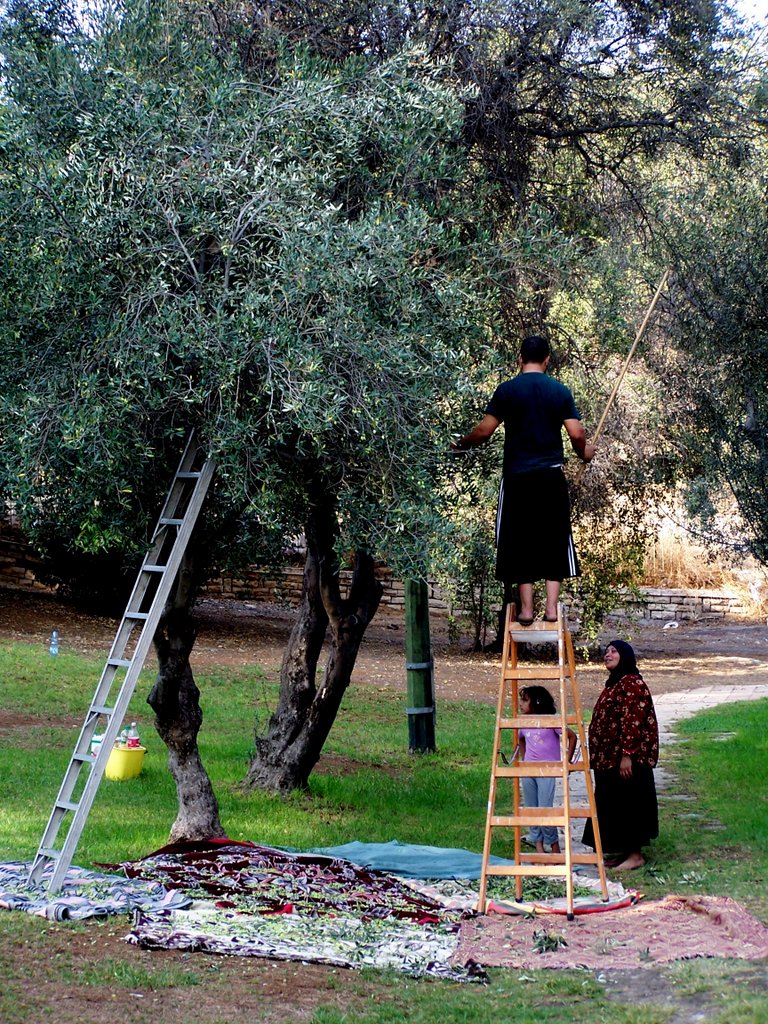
x=125 y=763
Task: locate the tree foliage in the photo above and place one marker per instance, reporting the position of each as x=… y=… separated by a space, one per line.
x=285 y=263
x=716 y=367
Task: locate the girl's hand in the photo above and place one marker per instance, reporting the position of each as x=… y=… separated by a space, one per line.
x=625 y=767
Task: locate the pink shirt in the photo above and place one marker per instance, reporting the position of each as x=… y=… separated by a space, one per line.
x=542 y=744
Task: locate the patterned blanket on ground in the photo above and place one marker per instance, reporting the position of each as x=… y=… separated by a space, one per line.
x=259 y=901
x=83 y=894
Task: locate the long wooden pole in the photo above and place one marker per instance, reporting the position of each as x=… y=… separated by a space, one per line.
x=627 y=361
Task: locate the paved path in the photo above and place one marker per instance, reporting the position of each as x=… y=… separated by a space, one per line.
x=670 y=708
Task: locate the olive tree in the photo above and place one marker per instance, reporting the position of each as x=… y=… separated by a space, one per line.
x=289 y=263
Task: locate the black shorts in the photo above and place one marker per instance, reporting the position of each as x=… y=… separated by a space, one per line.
x=533 y=528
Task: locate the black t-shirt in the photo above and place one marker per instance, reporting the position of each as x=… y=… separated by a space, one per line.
x=532 y=407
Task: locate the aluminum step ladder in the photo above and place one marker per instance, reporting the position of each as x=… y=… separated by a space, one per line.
x=124 y=663
x=509 y=766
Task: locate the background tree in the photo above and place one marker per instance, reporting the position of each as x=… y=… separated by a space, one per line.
x=715 y=367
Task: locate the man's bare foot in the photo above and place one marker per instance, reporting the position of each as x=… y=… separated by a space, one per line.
x=539 y=847
x=633 y=860
x=555 y=847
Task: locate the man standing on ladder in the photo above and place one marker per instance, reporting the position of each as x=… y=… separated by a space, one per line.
x=533 y=523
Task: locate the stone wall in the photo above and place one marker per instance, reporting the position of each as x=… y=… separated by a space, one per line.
x=285 y=588
x=656 y=603
x=681 y=605
x=18 y=563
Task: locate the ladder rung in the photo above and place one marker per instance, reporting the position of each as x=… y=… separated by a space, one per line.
x=119 y=662
x=536 y=770
x=530 y=770
x=526 y=869
x=168 y=521
x=153 y=568
x=102 y=709
x=546 y=858
x=67 y=805
x=522 y=820
x=48 y=854
x=533 y=672
x=531 y=722
x=539 y=816
x=141 y=616
x=85 y=758
x=188 y=474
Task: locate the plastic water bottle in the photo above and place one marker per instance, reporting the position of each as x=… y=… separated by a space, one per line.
x=53 y=647
x=132 y=739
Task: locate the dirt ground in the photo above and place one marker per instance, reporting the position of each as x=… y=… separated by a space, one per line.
x=240 y=633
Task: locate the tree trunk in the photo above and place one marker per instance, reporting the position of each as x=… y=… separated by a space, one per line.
x=175 y=699
x=298 y=729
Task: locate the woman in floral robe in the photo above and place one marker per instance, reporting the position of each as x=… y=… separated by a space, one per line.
x=623 y=751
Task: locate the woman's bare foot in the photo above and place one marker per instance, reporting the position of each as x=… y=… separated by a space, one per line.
x=539 y=846
x=556 y=848
x=633 y=860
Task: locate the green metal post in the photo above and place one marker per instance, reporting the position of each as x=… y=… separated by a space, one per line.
x=419 y=669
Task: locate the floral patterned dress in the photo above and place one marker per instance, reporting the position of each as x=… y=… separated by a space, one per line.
x=624 y=723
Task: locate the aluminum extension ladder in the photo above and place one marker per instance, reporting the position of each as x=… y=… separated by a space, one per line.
x=509 y=720
x=124 y=663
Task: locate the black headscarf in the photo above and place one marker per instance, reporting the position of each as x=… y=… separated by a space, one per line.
x=627 y=662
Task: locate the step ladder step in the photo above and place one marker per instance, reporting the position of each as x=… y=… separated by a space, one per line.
x=188 y=474
x=512 y=870
x=533 y=722
x=138 y=616
x=67 y=805
x=168 y=521
x=528 y=672
x=530 y=770
x=536 y=770
x=153 y=568
x=119 y=662
x=538 y=816
x=546 y=858
x=523 y=820
x=538 y=633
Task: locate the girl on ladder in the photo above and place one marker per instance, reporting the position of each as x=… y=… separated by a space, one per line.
x=541 y=745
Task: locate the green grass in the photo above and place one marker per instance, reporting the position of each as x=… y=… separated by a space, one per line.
x=372 y=790
x=718 y=841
